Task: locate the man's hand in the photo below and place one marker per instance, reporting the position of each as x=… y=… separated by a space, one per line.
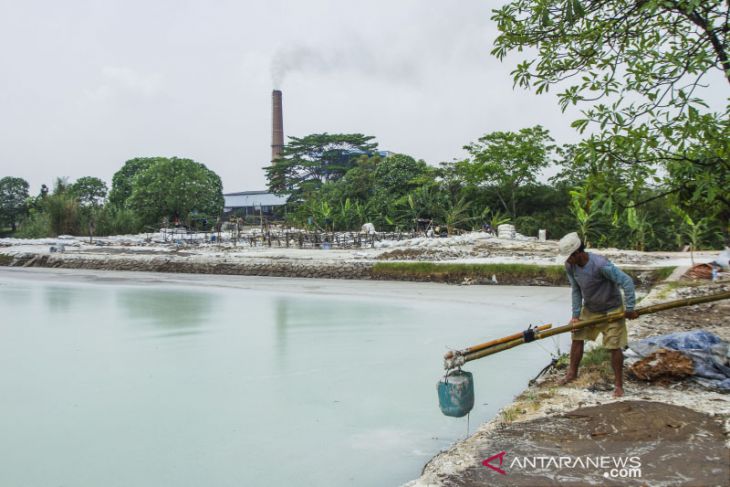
x=573 y=321
x=632 y=315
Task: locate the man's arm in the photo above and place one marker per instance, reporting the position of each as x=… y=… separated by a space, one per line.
x=576 y=294
x=614 y=274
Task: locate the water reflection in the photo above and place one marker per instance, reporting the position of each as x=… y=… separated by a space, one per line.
x=281 y=319
x=59 y=299
x=175 y=312
x=315 y=312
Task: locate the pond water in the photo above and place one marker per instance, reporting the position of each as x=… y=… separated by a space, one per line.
x=120 y=379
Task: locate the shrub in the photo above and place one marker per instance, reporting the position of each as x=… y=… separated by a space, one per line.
x=37 y=225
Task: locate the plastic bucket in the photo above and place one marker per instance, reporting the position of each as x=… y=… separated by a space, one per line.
x=456 y=393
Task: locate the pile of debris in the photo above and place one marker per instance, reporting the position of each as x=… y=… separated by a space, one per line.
x=701 y=355
x=712 y=270
x=663 y=365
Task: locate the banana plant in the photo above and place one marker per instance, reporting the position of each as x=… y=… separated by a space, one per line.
x=457 y=213
x=497 y=218
x=694 y=231
x=639 y=225
x=361 y=212
x=326 y=215
x=345 y=215
x=320 y=213
x=586 y=212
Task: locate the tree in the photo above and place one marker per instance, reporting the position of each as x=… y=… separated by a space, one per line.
x=637 y=68
x=175 y=188
x=399 y=174
x=90 y=191
x=13 y=194
x=358 y=184
x=308 y=162
x=508 y=160
x=123 y=179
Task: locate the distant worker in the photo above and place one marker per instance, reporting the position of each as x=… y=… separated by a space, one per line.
x=595 y=284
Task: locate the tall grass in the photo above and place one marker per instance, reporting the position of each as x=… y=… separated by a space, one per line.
x=117 y=221
x=506 y=273
x=37 y=225
x=63 y=214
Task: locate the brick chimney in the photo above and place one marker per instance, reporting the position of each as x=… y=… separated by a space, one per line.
x=277 y=127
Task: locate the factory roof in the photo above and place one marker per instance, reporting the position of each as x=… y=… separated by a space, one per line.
x=246 y=199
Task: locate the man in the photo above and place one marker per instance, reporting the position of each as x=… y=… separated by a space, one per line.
x=595 y=283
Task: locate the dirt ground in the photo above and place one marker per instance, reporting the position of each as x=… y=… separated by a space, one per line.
x=712 y=317
x=672 y=445
x=679 y=430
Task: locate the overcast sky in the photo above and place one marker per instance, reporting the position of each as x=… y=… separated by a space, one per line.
x=86 y=85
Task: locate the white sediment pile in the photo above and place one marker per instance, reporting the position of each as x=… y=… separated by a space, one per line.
x=474 y=247
x=466 y=239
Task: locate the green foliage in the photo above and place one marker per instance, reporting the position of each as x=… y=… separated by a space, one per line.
x=497 y=218
x=390 y=193
x=113 y=220
x=640 y=226
x=527 y=225
x=694 y=231
x=508 y=160
x=37 y=225
x=596 y=356
x=637 y=70
x=155 y=188
x=400 y=174
x=62 y=209
x=175 y=188
x=358 y=183
x=456 y=214
x=481 y=272
x=13 y=196
x=89 y=191
x=307 y=163
x=587 y=210
x=122 y=180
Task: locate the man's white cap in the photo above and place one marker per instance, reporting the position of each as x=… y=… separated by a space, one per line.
x=567 y=245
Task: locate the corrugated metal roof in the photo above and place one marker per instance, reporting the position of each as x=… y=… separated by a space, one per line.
x=246 y=199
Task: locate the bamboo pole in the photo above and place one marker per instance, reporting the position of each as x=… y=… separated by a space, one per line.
x=604 y=319
x=498 y=341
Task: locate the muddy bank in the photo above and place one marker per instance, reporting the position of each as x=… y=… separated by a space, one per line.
x=544 y=415
x=622 y=443
x=189 y=263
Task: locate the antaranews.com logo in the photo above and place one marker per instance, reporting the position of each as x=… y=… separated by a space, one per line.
x=614 y=467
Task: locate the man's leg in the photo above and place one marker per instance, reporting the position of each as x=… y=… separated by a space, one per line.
x=617 y=362
x=576 y=355
x=615 y=338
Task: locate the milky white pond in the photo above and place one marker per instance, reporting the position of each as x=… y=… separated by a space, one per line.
x=134 y=379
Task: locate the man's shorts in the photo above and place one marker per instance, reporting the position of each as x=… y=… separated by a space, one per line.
x=615 y=334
